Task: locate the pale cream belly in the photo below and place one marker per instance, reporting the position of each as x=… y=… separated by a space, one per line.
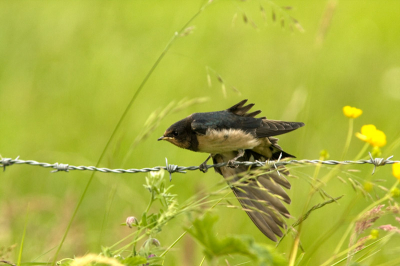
x=226 y=140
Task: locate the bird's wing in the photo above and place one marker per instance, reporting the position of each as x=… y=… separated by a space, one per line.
x=266 y=127
x=259 y=191
x=238 y=117
x=270 y=128
x=223 y=120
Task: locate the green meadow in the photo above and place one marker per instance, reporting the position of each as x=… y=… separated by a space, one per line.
x=95 y=83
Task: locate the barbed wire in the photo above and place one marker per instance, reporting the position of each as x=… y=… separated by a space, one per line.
x=172 y=168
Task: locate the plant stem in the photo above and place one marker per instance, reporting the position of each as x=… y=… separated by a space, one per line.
x=296 y=242
x=150 y=203
x=363 y=150
x=350 y=227
x=107 y=212
x=295 y=248
x=202 y=261
x=350 y=248
x=119 y=123
x=184 y=233
x=173 y=244
x=23 y=237
x=348 y=139
x=318 y=243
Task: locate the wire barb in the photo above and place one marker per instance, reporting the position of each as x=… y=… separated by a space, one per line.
x=60 y=167
x=172 y=168
x=7 y=162
x=378 y=161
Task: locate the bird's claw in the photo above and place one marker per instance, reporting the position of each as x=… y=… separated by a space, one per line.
x=231 y=164
x=203 y=167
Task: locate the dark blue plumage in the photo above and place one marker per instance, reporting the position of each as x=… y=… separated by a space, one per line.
x=223 y=120
x=236 y=134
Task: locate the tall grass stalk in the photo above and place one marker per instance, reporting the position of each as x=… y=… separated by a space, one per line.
x=21 y=248
x=351 y=225
x=119 y=123
x=296 y=242
x=348 y=139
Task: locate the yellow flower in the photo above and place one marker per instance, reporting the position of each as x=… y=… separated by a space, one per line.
x=374 y=234
x=395 y=192
x=373 y=136
x=396 y=170
x=368 y=186
x=366 y=132
x=378 y=139
x=324 y=154
x=352 y=112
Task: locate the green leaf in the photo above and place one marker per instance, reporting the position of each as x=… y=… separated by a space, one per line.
x=137 y=260
x=215 y=247
x=152 y=220
x=106 y=252
x=143 y=222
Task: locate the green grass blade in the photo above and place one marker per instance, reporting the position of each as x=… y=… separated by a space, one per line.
x=23 y=237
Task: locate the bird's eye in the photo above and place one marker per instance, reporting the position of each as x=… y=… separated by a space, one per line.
x=175 y=133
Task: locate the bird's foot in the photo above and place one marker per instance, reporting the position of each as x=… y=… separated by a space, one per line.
x=203 y=167
x=231 y=163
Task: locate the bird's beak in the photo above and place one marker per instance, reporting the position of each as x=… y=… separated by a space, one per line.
x=160 y=138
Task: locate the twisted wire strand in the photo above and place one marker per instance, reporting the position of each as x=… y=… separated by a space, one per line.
x=171 y=168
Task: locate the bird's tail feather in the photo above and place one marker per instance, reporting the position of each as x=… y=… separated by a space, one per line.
x=259 y=191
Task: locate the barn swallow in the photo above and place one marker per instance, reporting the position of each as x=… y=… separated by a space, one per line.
x=237 y=135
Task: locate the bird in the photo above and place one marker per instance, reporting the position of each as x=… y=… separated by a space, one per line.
x=235 y=134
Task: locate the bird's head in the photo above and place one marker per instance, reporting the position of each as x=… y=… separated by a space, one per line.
x=178 y=134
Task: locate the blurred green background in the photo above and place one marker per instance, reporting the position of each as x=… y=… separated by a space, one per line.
x=68 y=69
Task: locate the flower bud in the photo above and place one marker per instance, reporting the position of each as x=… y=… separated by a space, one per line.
x=131 y=221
